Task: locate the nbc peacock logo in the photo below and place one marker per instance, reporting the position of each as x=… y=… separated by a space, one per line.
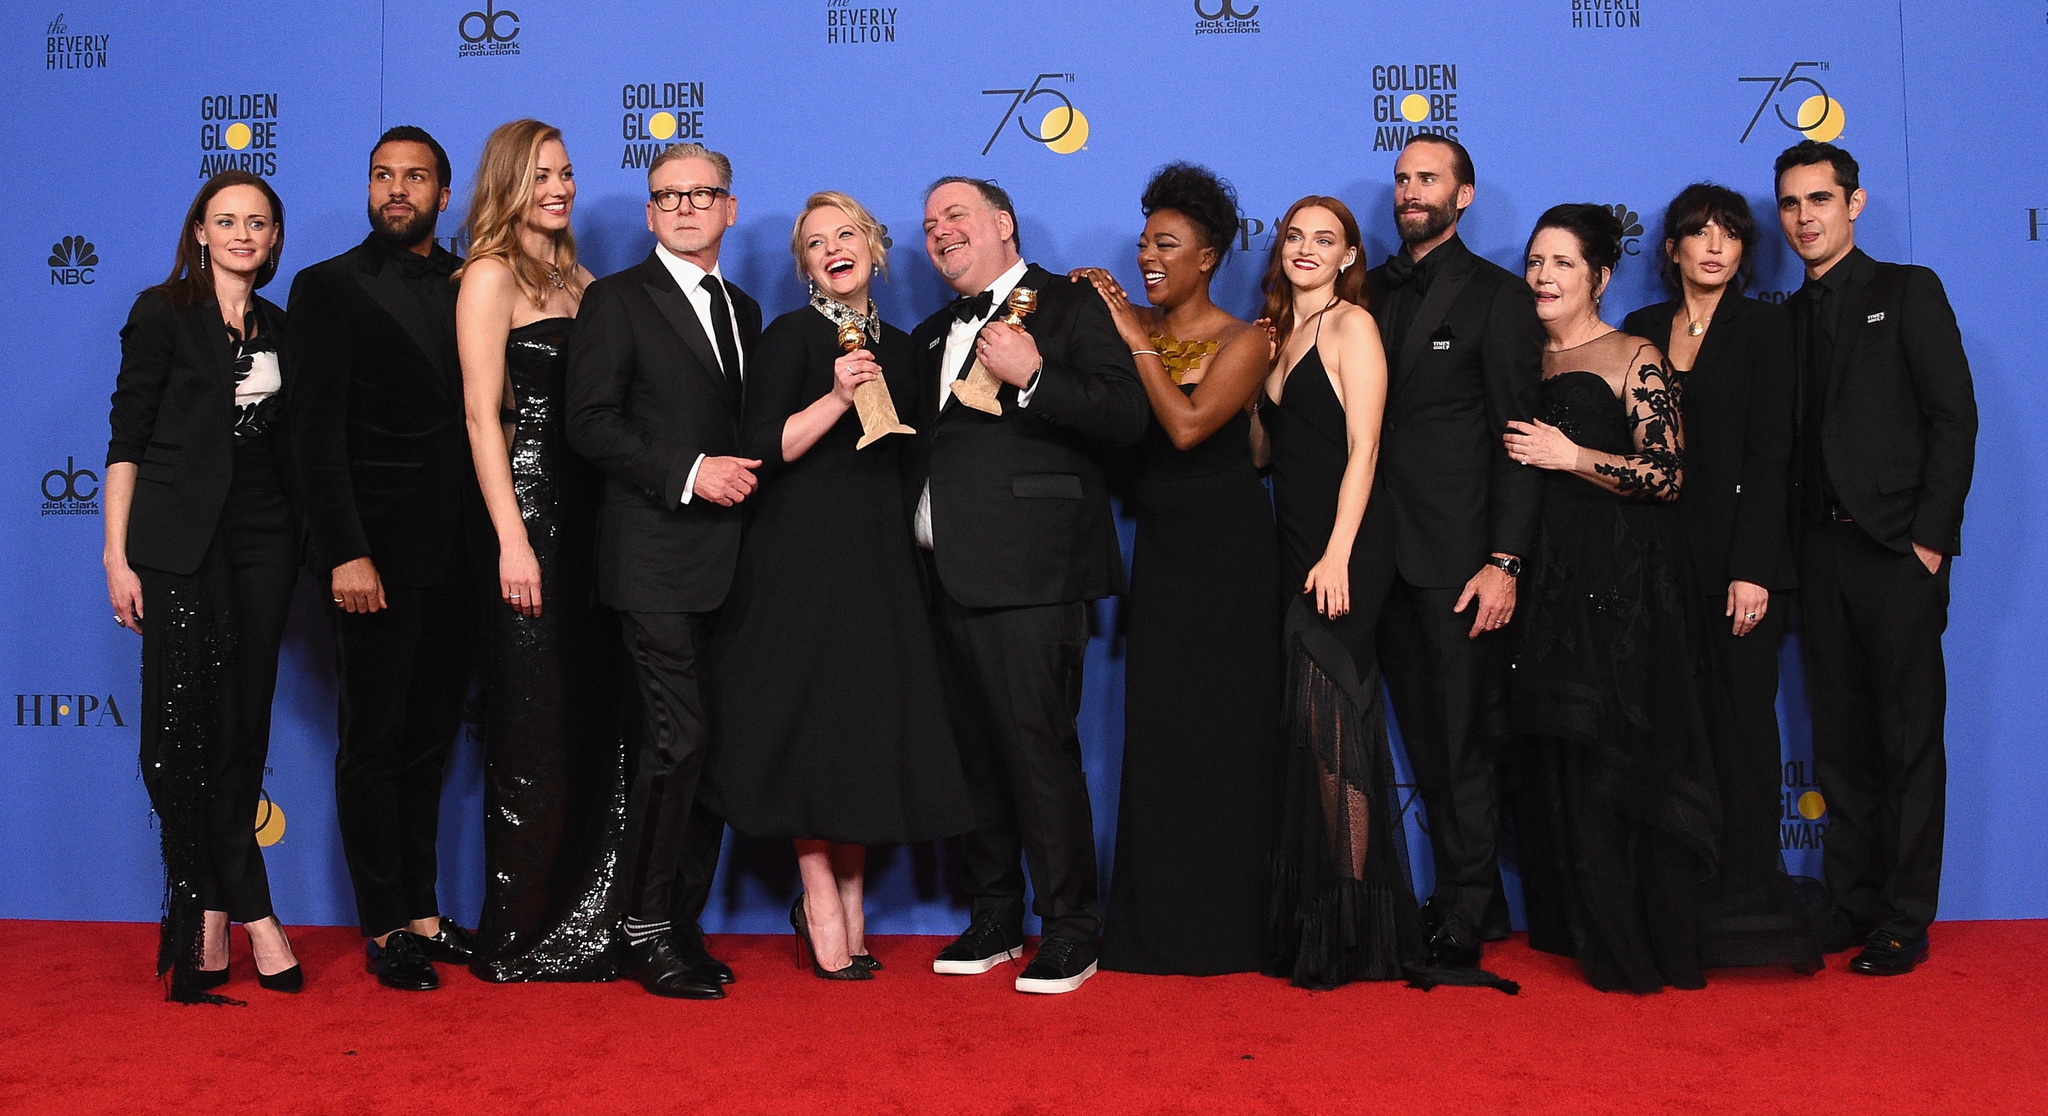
x=72 y=261
x=1631 y=229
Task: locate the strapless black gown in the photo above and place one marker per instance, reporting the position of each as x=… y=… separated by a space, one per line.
x=1343 y=907
x=554 y=749
x=1616 y=804
x=1199 y=807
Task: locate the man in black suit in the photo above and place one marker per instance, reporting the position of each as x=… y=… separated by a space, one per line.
x=1014 y=512
x=1464 y=357
x=397 y=526
x=657 y=370
x=1887 y=441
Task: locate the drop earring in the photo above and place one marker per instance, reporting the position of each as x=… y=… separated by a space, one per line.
x=205 y=258
x=813 y=284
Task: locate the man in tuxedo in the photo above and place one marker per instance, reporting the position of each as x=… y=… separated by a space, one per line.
x=1887 y=441
x=1464 y=357
x=397 y=527
x=657 y=372
x=1013 y=511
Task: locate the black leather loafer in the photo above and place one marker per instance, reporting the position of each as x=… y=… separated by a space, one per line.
x=452 y=946
x=400 y=963
x=662 y=971
x=1888 y=955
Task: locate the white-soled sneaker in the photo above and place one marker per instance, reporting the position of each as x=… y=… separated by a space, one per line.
x=979 y=948
x=1061 y=965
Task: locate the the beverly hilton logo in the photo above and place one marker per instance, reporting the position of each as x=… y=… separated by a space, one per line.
x=72 y=260
x=847 y=24
x=1607 y=15
x=63 y=50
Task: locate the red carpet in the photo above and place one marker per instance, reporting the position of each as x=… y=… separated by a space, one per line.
x=89 y=1033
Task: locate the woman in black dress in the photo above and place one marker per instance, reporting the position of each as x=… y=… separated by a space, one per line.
x=1342 y=906
x=1618 y=814
x=554 y=749
x=1201 y=770
x=827 y=720
x=201 y=555
x=1733 y=357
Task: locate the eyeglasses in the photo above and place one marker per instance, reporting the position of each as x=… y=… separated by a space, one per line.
x=703 y=197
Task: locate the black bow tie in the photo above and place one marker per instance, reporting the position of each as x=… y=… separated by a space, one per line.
x=970 y=308
x=1402 y=271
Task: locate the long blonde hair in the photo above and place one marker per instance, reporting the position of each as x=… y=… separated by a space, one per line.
x=498 y=203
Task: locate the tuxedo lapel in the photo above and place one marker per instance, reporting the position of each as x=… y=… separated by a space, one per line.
x=675 y=306
x=1855 y=303
x=204 y=320
x=1730 y=313
x=386 y=287
x=1443 y=291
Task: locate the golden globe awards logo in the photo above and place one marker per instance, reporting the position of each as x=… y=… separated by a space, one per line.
x=1615 y=15
x=1410 y=100
x=238 y=131
x=72 y=260
x=1804 y=820
x=849 y=25
x=1057 y=124
x=1223 y=17
x=1815 y=114
x=488 y=32
x=657 y=115
x=63 y=50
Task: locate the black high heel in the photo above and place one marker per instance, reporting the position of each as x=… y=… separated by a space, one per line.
x=867 y=961
x=290 y=980
x=214 y=978
x=854 y=970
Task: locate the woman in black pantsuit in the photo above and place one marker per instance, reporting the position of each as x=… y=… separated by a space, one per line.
x=201 y=555
x=1733 y=357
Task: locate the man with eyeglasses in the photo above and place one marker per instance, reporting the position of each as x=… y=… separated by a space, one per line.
x=656 y=378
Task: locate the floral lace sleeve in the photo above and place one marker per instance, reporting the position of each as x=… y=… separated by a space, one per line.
x=1656 y=470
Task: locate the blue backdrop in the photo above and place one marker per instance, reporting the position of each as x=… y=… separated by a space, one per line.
x=120 y=110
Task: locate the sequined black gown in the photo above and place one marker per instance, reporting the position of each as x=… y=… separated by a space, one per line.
x=554 y=753
x=1612 y=772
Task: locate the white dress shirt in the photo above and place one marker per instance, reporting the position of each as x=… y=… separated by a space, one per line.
x=690 y=278
x=959 y=343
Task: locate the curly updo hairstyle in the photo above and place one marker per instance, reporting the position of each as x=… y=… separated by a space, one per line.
x=1596 y=227
x=1196 y=193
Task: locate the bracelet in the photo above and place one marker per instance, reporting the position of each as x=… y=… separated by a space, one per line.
x=1144 y=352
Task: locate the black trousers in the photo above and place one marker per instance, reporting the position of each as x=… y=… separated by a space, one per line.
x=1872 y=620
x=1742 y=713
x=669 y=851
x=1012 y=678
x=1450 y=701
x=252 y=563
x=403 y=675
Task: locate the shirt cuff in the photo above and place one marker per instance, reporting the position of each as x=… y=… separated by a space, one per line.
x=1030 y=388
x=690 y=482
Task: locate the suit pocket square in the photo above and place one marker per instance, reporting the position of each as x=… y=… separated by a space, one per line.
x=1874 y=318
x=1440 y=341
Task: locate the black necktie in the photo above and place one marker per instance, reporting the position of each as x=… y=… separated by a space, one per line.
x=721 y=329
x=968 y=308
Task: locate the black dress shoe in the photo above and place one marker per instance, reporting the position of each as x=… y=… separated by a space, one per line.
x=979 y=948
x=1889 y=955
x=691 y=948
x=655 y=963
x=400 y=963
x=1061 y=965
x=1453 y=946
x=452 y=946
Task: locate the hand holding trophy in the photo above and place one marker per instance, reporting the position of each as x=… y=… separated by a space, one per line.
x=871 y=399
x=978 y=388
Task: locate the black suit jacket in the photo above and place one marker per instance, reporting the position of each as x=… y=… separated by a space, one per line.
x=1471 y=361
x=645 y=398
x=173 y=416
x=382 y=444
x=1900 y=433
x=1737 y=404
x=1020 y=507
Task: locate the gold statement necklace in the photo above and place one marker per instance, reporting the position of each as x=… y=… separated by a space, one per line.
x=1181 y=357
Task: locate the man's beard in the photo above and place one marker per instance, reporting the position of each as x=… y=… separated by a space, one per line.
x=403 y=235
x=1436 y=219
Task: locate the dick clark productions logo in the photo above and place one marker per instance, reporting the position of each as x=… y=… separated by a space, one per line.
x=488 y=32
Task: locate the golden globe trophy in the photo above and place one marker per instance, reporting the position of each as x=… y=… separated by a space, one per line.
x=978 y=388
x=871 y=399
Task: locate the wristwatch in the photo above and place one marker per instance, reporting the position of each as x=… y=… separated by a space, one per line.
x=1510 y=566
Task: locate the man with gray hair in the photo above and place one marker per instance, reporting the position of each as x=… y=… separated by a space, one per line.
x=657 y=373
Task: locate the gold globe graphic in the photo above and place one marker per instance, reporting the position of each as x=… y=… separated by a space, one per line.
x=1812 y=805
x=1068 y=125
x=269 y=822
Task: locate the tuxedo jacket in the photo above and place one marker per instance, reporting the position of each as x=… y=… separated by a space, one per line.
x=645 y=398
x=1020 y=507
x=1900 y=433
x=173 y=416
x=1737 y=404
x=1472 y=360
x=381 y=442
